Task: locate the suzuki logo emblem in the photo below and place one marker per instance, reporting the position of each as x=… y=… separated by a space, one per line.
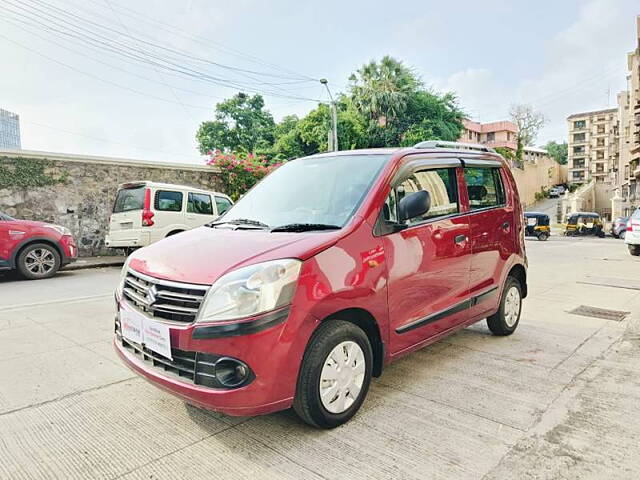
x=152 y=295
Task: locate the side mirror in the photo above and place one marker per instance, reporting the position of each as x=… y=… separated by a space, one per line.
x=414 y=205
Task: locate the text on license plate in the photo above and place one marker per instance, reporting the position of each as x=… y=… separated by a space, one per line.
x=140 y=329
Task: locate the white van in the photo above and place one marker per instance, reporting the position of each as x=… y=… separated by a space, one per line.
x=145 y=212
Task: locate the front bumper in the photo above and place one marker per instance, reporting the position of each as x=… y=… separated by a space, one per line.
x=69 y=249
x=273 y=355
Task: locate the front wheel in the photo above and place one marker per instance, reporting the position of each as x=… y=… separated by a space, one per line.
x=622 y=234
x=543 y=236
x=634 y=250
x=38 y=261
x=335 y=375
x=505 y=320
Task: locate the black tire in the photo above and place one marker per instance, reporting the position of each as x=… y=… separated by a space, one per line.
x=174 y=232
x=634 y=250
x=307 y=403
x=33 y=270
x=622 y=234
x=497 y=322
x=543 y=236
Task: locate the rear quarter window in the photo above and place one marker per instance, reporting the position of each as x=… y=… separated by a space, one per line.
x=128 y=199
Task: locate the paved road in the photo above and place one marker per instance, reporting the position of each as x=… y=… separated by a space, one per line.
x=548 y=206
x=558 y=399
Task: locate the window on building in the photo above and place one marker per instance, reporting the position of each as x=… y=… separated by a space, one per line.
x=484 y=186
x=199 y=203
x=600 y=155
x=579 y=137
x=168 y=201
x=491 y=136
x=578 y=149
x=600 y=142
x=579 y=124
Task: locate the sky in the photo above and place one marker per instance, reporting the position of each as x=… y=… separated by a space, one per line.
x=64 y=71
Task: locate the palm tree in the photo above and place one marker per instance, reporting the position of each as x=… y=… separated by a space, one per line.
x=381 y=91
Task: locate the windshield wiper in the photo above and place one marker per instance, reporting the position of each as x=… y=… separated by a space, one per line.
x=304 y=227
x=240 y=221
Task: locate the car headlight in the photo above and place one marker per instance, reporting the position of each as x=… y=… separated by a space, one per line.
x=123 y=275
x=251 y=290
x=60 y=229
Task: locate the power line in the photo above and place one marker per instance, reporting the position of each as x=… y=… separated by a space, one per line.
x=173 y=92
x=146 y=57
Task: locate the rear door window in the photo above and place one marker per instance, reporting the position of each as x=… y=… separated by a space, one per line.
x=199 y=203
x=484 y=186
x=223 y=204
x=128 y=199
x=168 y=201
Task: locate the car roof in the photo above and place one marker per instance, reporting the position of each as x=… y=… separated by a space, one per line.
x=399 y=152
x=537 y=214
x=148 y=183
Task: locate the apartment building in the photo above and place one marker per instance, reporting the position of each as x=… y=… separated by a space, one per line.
x=9 y=130
x=627 y=178
x=496 y=134
x=593 y=146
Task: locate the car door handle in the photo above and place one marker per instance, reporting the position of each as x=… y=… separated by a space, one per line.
x=460 y=239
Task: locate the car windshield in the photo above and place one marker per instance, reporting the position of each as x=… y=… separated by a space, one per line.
x=323 y=191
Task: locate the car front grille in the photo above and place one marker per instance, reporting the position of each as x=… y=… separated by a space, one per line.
x=196 y=368
x=178 y=302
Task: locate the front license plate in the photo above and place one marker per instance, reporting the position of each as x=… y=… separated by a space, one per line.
x=139 y=329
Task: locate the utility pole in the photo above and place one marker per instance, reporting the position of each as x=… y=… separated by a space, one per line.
x=333 y=135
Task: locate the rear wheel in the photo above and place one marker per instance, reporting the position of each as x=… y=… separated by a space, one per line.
x=506 y=319
x=634 y=250
x=543 y=236
x=38 y=261
x=335 y=375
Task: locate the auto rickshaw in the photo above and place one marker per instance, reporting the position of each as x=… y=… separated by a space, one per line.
x=584 y=223
x=537 y=225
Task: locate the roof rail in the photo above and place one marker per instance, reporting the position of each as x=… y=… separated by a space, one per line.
x=455 y=145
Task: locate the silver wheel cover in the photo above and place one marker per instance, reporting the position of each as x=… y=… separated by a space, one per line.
x=342 y=377
x=40 y=261
x=512 y=304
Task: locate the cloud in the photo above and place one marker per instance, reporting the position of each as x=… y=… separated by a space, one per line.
x=585 y=67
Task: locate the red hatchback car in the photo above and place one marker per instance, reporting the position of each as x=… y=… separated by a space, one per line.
x=327 y=270
x=35 y=249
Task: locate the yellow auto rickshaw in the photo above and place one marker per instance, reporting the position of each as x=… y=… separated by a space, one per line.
x=584 y=223
x=537 y=225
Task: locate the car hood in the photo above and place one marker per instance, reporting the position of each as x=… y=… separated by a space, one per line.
x=203 y=255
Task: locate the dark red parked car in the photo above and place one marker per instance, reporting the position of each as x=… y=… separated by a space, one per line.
x=330 y=268
x=35 y=249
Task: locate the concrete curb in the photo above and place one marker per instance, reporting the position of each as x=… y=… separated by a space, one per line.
x=95 y=262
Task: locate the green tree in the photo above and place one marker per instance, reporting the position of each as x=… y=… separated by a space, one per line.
x=558 y=151
x=241 y=124
x=431 y=116
x=380 y=93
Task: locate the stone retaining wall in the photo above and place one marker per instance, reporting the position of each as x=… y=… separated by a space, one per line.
x=83 y=200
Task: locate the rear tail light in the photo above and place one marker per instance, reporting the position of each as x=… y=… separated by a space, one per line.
x=147 y=214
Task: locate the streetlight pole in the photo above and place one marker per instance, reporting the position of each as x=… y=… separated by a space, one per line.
x=333 y=138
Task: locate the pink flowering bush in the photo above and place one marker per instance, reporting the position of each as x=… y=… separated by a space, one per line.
x=240 y=171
